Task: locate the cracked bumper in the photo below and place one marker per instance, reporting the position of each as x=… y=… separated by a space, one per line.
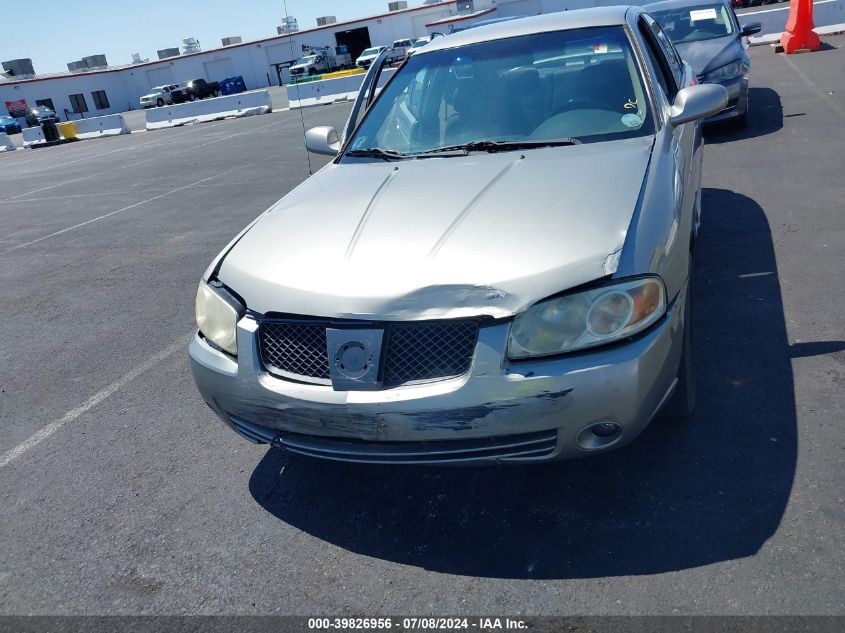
x=500 y=411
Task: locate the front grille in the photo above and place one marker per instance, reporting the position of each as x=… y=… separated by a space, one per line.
x=295 y=349
x=421 y=352
x=413 y=352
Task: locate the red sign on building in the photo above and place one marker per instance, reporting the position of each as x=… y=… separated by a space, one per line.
x=17 y=108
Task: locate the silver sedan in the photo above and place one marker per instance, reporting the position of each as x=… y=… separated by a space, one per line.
x=495 y=266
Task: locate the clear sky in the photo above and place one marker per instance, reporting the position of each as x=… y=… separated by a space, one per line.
x=56 y=35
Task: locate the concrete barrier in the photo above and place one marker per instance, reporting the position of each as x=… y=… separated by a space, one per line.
x=230 y=106
x=33 y=136
x=330 y=90
x=6 y=144
x=109 y=125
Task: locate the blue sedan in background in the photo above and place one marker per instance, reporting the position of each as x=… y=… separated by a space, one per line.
x=9 y=125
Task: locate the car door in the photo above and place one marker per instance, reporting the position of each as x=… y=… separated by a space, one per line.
x=684 y=140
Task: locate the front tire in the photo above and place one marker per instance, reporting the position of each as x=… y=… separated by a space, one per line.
x=682 y=403
x=159 y=103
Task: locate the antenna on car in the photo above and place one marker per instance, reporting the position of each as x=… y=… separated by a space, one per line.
x=299 y=97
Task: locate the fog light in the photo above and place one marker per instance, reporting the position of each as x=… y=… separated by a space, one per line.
x=606 y=429
x=598 y=436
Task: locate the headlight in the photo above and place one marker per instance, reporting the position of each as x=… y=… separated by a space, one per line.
x=587 y=319
x=218 y=314
x=723 y=73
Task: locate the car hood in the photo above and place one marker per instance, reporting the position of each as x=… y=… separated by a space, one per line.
x=706 y=55
x=485 y=234
x=152 y=95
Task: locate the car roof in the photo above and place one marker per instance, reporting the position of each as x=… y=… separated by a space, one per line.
x=558 y=21
x=678 y=4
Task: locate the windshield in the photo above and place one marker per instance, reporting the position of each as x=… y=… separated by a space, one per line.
x=420 y=43
x=371 y=51
x=306 y=60
x=582 y=84
x=696 y=23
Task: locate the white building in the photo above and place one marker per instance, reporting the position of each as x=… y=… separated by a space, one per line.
x=262 y=62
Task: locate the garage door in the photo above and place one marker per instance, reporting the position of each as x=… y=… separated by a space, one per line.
x=219 y=69
x=160 y=76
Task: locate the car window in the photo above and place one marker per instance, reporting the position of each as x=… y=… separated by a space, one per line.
x=661 y=65
x=668 y=50
x=581 y=83
x=696 y=23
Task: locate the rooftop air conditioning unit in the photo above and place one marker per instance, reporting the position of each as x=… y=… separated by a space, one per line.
x=326 y=20
x=397 y=6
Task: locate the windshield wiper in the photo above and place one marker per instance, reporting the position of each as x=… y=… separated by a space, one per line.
x=377 y=152
x=503 y=146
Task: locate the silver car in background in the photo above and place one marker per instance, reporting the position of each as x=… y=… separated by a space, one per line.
x=495 y=266
x=708 y=37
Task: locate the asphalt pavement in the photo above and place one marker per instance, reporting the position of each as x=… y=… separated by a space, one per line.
x=122 y=494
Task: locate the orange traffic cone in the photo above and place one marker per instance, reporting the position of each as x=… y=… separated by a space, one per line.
x=799 y=34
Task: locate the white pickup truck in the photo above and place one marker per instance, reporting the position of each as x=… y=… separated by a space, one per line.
x=399 y=50
x=159 y=96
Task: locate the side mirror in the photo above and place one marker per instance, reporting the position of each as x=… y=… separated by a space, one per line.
x=698 y=102
x=322 y=140
x=751 y=29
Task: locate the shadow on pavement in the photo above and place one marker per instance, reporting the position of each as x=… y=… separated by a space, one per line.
x=685 y=494
x=764 y=117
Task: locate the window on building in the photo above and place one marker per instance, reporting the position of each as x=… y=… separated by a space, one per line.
x=101 y=101
x=47 y=103
x=77 y=102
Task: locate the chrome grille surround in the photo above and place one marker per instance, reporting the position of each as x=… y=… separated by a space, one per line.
x=413 y=352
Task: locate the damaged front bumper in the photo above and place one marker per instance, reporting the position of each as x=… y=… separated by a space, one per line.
x=529 y=411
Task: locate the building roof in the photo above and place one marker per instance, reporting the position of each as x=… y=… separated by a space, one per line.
x=560 y=21
x=460 y=18
x=282 y=37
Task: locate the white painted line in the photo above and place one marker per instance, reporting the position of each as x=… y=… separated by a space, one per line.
x=131 y=206
x=36 y=438
x=786 y=8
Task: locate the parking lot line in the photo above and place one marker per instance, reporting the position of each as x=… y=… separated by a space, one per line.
x=41 y=435
x=127 y=208
x=812 y=85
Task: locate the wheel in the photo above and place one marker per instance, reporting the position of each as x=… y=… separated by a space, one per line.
x=214 y=93
x=192 y=97
x=159 y=102
x=682 y=403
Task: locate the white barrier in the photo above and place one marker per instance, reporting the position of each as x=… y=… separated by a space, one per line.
x=109 y=125
x=238 y=105
x=33 y=136
x=6 y=144
x=326 y=91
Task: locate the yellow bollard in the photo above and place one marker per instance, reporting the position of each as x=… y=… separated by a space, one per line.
x=67 y=130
